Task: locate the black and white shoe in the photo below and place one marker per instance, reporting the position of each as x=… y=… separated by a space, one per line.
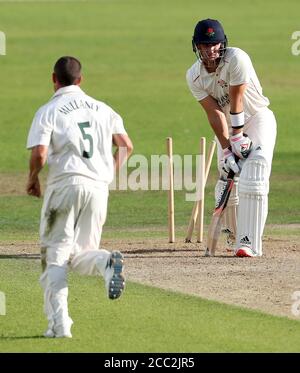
x=114 y=278
x=230 y=239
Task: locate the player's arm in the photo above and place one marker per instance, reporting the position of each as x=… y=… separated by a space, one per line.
x=124 y=149
x=218 y=122
x=37 y=161
x=236 y=94
x=240 y=144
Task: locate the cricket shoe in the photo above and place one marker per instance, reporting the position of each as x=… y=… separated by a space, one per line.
x=49 y=333
x=230 y=239
x=244 y=252
x=114 y=279
x=61 y=331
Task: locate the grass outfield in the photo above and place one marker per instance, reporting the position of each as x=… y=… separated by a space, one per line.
x=143 y=320
x=135 y=54
x=140 y=212
x=19 y=218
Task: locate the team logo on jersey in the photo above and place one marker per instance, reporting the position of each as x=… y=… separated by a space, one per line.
x=222 y=83
x=210 y=32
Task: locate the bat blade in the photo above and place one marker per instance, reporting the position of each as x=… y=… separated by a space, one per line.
x=215 y=226
x=214 y=231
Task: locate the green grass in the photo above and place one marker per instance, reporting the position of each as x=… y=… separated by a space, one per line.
x=19 y=218
x=143 y=320
x=135 y=54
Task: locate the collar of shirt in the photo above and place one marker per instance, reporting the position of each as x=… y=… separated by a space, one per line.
x=204 y=72
x=66 y=90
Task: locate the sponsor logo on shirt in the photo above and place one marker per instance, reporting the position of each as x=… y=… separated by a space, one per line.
x=222 y=83
x=224 y=100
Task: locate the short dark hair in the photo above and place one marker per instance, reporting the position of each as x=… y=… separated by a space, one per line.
x=67 y=69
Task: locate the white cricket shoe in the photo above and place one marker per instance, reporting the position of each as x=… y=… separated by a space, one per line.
x=49 y=333
x=62 y=331
x=65 y=335
x=114 y=279
x=244 y=252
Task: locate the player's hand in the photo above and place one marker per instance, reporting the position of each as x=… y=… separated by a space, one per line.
x=241 y=145
x=33 y=188
x=229 y=162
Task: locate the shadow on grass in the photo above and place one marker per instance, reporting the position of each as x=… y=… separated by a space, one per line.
x=23 y=337
x=138 y=253
x=20 y=256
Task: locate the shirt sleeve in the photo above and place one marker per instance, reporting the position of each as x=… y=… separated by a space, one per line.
x=117 y=124
x=40 y=130
x=195 y=87
x=240 y=69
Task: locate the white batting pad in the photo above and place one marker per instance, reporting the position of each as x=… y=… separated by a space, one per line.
x=229 y=218
x=253 y=204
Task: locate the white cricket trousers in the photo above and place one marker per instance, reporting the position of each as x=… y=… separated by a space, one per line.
x=262 y=130
x=253 y=182
x=70 y=231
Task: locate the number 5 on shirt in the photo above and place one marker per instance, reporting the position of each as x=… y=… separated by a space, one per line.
x=88 y=137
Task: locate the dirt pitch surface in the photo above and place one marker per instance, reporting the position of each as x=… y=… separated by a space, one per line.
x=265 y=283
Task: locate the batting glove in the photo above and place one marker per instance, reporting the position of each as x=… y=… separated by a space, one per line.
x=241 y=145
x=229 y=161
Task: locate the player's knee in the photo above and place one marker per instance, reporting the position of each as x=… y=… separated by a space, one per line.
x=57 y=277
x=254 y=178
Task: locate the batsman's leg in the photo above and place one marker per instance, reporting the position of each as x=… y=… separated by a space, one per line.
x=254 y=184
x=229 y=218
x=253 y=206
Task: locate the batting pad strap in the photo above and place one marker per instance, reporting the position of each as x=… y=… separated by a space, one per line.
x=237 y=120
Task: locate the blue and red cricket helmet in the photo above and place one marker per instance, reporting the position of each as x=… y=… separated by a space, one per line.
x=209 y=31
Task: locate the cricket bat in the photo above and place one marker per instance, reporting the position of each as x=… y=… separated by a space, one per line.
x=214 y=229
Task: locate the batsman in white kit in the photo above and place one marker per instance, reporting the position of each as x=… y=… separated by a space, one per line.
x=224 y=82
x=74 y=133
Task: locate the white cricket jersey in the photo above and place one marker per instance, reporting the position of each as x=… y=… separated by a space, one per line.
x=234 y=69
x=78 y=130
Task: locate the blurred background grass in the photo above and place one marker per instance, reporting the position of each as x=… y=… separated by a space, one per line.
x=135 y=54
